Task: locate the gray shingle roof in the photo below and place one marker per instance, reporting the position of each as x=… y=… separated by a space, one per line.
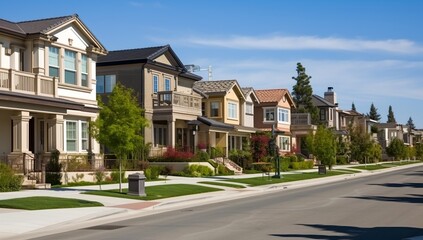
x=321 y=102
x=34 y=26
x=133 y=54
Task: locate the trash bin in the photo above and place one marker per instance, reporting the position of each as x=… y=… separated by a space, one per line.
x=136 y=184
x=322 y=169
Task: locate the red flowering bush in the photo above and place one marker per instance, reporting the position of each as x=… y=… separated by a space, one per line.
x=259 y=145
x=172 y=155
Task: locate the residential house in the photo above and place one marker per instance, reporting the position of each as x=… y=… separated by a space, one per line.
x=47 y=90
x=164 y=90
x=388 y=132
x=273 y=113
x=227 y=117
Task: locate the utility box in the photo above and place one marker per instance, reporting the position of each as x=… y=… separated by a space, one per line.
x=322 y=169
x=136 y=184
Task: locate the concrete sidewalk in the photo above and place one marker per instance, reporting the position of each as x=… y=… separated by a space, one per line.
x=24 y=224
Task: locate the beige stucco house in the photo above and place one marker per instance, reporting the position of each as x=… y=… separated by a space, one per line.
x=47 y=90
x=164 y=90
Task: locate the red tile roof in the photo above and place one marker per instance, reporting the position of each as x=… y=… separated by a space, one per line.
x=271 y=95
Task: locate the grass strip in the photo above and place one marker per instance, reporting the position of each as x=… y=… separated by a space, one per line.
x=373 y=167
x=258 y=181
x=346 y=170
x=40 y=203
x=157 y=192
x=224 y=184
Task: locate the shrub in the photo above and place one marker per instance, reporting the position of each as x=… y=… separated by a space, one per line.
x=222 y=170
x=114 y=175
x=201 y=156
x=152 y=173
x=8 y=180
x=171 y=155
x=77 y=163
x=284 y=163
x=53 y=169
x=216 y=152
x=196 y=170
x=302 y=165
x=341 y=160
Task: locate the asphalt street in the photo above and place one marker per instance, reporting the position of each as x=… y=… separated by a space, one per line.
x=383 y=206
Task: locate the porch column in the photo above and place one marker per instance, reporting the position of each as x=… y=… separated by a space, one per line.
x=55 y=133
x=226 y=144
x=21 y=132
x=171 y=133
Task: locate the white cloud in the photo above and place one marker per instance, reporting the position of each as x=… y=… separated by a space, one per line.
x=402 y=46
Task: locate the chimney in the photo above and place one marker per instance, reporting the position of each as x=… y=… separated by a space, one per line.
x=330 y=96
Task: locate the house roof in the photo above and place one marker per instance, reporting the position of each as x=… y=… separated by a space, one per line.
x=321 y=102
x=273 y=95
x=213 y=123
x=217 y=88
x=45 y=26
x=250 y=91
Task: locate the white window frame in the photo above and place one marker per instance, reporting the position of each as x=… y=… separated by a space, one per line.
x=53 y=59
x=155 y=83
x=283 y=115
x=233 y=110
x=84 y=70
x=84 y=139
x=267 y=111
x=79 y=138
x=69 y=68
x=284 y=143
x=249 y=109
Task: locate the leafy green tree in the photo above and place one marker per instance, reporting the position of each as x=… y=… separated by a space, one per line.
x=119 y=124
x=373 y=114
x=418 y=150
x=396 y=149
x=362 y=147
x=353 y=107
x=302 y=93
x=322 y=145
x=391 y=117
x=410 y=123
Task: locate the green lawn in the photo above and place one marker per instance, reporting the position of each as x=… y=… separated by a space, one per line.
x=373 y=167
x=40 y=203
x=224 y=184
x=158 y=192
x=348 y=170
x=258 y=181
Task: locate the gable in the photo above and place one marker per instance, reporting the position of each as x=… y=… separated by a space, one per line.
x=164 y=60
x=70 y=36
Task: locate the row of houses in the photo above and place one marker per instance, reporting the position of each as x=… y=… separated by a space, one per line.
x=51 y=71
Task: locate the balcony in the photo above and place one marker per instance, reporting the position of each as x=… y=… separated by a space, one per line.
x=177 y=102
x=29 y=83
x=300 y=119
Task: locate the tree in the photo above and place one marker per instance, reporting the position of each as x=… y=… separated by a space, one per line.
x=410 y=123
x=419 y=150
x=391 y=117
x=362 y=147
x=373 y=113
x=322 y=145
x=353 y=107
x=119 y=124
x=302 y=93
x=396 y=149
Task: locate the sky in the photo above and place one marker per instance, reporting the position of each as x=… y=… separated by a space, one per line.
x=369 y=51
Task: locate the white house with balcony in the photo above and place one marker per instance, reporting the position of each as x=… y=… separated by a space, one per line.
x=47 y=90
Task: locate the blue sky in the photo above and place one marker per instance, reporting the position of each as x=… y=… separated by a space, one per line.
x=369 y=51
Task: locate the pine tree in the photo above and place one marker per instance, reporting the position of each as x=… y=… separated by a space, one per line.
x=391 y=117
x=353 y=107
x=302 y=93
x=373 y=113
x=410 y=123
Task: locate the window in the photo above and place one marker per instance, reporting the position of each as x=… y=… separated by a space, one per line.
x=214 y=109
x=70 y=67
x=84 y=136
x=53 y=62
x=249 y=108
x=167 y=96
x=232 y=112
x=71 y=136
x=105 y=83
x=269 y=114
x=155 y=83
x=284 y=143
x=84 y=70
x=322 y=114
x=283 y=115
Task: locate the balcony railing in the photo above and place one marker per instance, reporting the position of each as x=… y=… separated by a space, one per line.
x=300 y=119
x=168 y=99
x=30 y=83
